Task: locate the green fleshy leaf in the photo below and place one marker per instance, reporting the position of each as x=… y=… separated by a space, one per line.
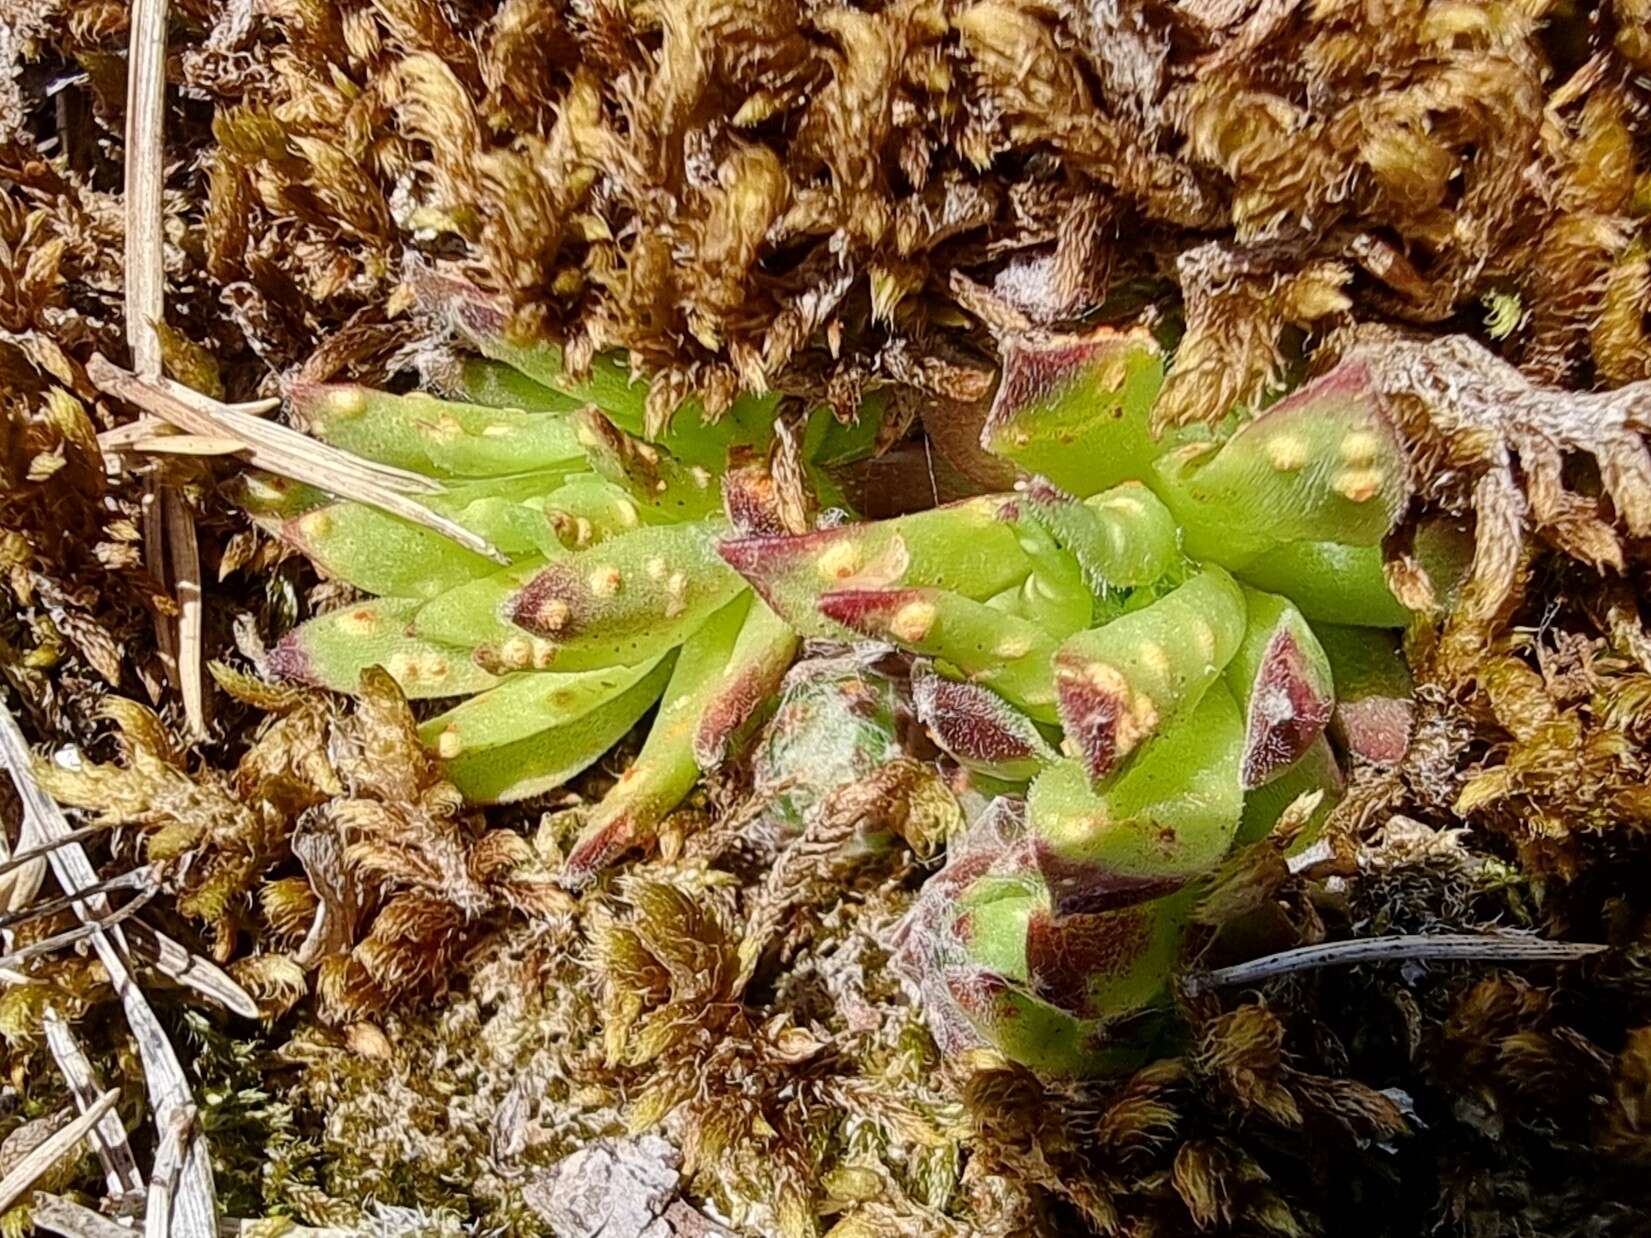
x=533 y=732
x=652 y=477
x=1123 y=538
x=1329 y=582
x=1315 y=771
x=1077 y=411
x=762 y=654
x=1134 y=679
x=967 y=548
x=1170 y=816
x=439 y=437
x=1281 y=679
x=1323 y=464
x=380 y=553
x=666 y=769
x=332 y=650
x=626 y=600
x=1004 y=652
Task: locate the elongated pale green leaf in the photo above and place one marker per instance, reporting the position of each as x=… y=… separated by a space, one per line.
x=440 y=437
x=332 y=650
x=762 y=653
x=967 y=548
x=379 y=553
x=666 y=769
x=533 y=732
x=628 y=599
x=1006 y=653
x=651 y=476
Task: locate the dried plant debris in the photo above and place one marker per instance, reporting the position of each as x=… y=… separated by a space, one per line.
x=897 y=209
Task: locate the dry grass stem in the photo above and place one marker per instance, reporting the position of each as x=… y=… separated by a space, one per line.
x=1510 y=947
x=120 y=1168
x=53 y=1149
x=195 y=1210
x=281 y=450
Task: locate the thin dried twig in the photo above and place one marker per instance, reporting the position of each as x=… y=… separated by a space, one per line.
x=55 y=1215
x=120 y=1167
x=176 y=1137
x=170 y=546
x=183 y=558
x=264 y=443
x=285 y=451
x=189 y=969
x=194 y=1214
x=1405 y=948
x=183 y=445
x=138 y=878
x=53 y=1149
x=68 y=937
x=30 y=854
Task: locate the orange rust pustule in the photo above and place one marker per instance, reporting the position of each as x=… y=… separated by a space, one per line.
x=552 y=604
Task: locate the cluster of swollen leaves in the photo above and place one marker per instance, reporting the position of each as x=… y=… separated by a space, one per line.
x=612 y=599
x=1129 y=648
x=1137 y=647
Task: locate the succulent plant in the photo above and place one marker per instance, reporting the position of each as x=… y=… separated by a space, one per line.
x=1126 y=646
x=613 y=599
